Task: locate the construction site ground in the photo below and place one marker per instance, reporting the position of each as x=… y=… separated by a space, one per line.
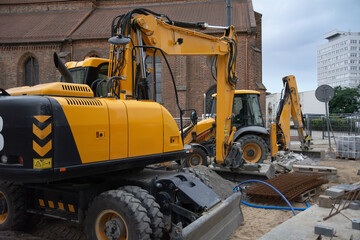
x=258 y=223
x=269 y=224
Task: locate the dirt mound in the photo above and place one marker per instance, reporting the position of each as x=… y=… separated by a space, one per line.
x=224 y=188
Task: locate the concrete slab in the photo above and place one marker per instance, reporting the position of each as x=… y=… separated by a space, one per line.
x=356 y=223
x=334 y=192
x=301 y=226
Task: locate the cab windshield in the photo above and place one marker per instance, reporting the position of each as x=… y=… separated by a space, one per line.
x=246 y=111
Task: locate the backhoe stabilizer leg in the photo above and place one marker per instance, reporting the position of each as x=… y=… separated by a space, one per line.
x=235 y=157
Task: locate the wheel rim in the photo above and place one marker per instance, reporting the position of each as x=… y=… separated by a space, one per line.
x=252 y=152
x=195 y=160
x=3 y=216
x=107 y=219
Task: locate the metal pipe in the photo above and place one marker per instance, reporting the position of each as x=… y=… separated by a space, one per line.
x=246 y=64
x=228 y=12
x=62 y=69
x=328 y=123
x=141 y=54
x=204 y=105
x=217 y=27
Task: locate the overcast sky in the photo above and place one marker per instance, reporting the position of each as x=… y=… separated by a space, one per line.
x=292 y=30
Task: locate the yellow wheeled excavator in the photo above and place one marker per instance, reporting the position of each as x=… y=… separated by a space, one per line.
x=247 y=117
x=68 y=154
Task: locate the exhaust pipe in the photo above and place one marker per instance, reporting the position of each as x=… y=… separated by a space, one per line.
x=62 y=69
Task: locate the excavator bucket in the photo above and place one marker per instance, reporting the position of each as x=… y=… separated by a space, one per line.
x=219 y=223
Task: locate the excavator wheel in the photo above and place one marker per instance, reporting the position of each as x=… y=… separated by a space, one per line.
x=197 y=157
x=119 y=215
x=254 y=148
x=13 y=214
x=152 y=208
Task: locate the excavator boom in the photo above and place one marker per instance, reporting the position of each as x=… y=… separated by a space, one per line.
x=155 y=36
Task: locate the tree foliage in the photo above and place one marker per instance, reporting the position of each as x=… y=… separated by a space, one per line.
x=346 y=100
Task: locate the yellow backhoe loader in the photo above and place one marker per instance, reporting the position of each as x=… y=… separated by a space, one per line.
x=68 y=154
x=253 y=137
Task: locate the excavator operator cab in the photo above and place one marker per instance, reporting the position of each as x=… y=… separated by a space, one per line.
x=90 y=72
x=246 y=109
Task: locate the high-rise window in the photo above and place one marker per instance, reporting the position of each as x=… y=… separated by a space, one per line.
x=31 y=72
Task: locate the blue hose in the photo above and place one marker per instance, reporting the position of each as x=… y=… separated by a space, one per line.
x=258 y=181
x=274 y=207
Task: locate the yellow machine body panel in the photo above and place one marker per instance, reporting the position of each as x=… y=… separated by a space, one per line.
x=144 y=130
x=88 y=62
x=172 y=137
x=106 y=129
x=55 y=88
x=89 y=125
x=204 y=131
x=119 y=130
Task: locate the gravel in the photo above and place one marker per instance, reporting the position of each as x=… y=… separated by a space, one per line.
x=286 y=160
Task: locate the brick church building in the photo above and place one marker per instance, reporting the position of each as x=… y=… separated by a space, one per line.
x=31 y=30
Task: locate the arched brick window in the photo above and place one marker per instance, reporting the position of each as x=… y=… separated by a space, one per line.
x=31 y=71
x=93 y=53
x=209 y=93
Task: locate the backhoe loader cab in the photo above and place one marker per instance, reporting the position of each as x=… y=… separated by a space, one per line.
x=246 y=109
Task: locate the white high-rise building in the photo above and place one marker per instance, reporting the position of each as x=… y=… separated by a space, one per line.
x=338 y=60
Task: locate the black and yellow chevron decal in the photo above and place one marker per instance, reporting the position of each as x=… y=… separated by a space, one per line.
x=42 y=142
x=57 y=205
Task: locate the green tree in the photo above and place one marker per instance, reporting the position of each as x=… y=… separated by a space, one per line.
x=346 y=100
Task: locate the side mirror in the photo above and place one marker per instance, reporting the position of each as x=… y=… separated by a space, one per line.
x=193 y=117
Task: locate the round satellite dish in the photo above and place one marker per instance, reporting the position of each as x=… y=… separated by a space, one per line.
x=324 y=93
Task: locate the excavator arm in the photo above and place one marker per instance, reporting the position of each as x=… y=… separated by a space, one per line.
x=289 y=105
x=149 y=34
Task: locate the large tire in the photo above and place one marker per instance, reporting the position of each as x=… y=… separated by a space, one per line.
x=197 y=174
x=196 y=158
x=254 y=148
x=15 y=216
x=152 y=208
x=118 y=213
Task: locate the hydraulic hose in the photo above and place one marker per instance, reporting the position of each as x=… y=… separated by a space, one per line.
x=274 y=207
x=258 y=181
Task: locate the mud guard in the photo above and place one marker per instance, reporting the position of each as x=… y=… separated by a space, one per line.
x=220 y=223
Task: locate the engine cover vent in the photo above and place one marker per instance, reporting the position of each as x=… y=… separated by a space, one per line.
x=83 y=101
x=76 y=88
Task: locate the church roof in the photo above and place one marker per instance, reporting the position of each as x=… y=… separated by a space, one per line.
x=55 y=26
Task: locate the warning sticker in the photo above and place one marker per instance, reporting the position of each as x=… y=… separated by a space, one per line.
x=42 y=163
